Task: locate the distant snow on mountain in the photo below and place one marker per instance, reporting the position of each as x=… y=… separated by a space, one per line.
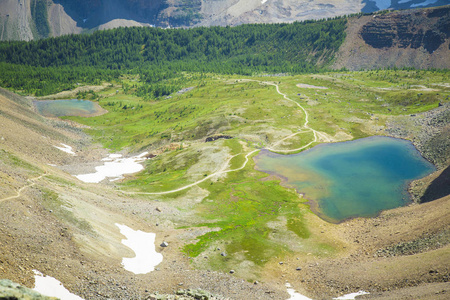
x=383 y=4
x=428 y=2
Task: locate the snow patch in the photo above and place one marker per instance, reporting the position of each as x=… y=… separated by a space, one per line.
x=51 y=287
x=297 y=296
x=383 y=4
x=114 y=167
x=111 y=157
x=143 y=245
x=351 y=296
x=66 y=148
x=263 y=1
x=294 y=295
x=425 y=3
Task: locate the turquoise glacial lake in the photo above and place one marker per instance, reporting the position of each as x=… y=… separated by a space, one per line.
x=62 y=108
x=350 y=179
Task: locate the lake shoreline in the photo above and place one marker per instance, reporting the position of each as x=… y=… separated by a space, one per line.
x=319 y=154
x=93 y=109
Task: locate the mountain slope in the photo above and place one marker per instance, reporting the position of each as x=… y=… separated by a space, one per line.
x=65 y=228
x=416 y=38
x=412 y=38
x=52 y=222
x=33 y=19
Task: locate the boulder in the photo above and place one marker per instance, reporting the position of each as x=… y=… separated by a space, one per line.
x=12 y=290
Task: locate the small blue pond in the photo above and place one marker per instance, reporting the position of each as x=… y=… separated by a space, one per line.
x=74 y=107
x=350 y=179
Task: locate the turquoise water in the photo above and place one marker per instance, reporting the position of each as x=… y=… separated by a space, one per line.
x=61 y=108
x=350 y=179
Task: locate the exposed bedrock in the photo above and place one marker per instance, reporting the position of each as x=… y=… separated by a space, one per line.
x=407 y=30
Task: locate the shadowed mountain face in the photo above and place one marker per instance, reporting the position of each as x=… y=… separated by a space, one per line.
x=407 y=30
x=440 y=187
x=92 y=13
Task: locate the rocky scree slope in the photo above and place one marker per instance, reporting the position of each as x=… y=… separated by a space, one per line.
x=53 y=223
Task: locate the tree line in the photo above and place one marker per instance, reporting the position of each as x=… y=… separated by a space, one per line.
x=247 y=49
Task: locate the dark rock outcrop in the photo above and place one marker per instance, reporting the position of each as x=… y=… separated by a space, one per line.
x=217 y=137
x=425 y=243
x=439 y=187
x=418 y=38
x=405 y=29
x=188 y=294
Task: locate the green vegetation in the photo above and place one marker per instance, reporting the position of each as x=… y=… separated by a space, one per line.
x=355 y=101
x=300 y=140
x=237 y=151
x=20 y=166
x=255 y=110
x=246 y=48
x=61 y=209
x=43 y=81
x=242 y=206
x=15 y=173
x=159 y=177
x=167 y=90
x=149 y=52
x=59 y=181
x=40 y=17
x=206 y=109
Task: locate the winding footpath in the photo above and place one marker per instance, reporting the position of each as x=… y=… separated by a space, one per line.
x=305 y=128
x=19 y=192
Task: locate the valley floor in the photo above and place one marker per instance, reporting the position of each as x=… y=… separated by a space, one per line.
x=53 y=223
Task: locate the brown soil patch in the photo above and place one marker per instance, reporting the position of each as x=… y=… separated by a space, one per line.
x=370 y=267
x=66 y=229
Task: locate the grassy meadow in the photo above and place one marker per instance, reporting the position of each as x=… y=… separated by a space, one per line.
x=248 y=214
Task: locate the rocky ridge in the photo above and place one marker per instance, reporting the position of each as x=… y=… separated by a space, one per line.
x=429 y=132
x=404 y=29
x=418 y=38
x=32 y=19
